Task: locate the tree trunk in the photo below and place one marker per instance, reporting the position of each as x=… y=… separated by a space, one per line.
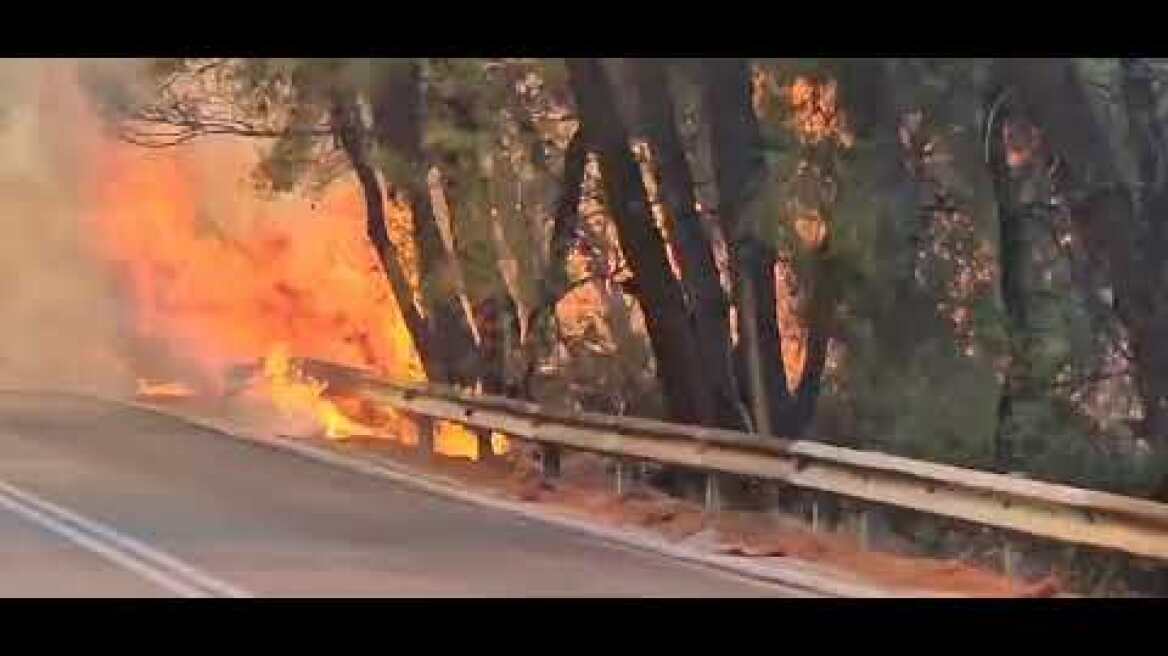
x=554 y=282
x=658 y=292
x=1123 y=229
x=699 y=273
x=397 y=129
x=739 y=171
x=1011 y=254
x=444 y=218
x=566 y=218
x=1150 y=199
x=351 y=135
x=806 y=395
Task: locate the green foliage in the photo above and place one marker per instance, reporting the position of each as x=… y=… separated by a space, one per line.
x=909 y=380
x=397 y=169
x=910 y=269
x=1057 y=444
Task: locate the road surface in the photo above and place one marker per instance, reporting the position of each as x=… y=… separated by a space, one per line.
x=101 y=500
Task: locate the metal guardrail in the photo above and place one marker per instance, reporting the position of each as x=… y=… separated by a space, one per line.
x=1057 y=512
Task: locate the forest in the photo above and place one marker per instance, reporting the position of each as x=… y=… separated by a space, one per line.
x=956 y=260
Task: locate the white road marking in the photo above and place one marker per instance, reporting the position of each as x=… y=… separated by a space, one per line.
x=793 y=582
x=146 y=561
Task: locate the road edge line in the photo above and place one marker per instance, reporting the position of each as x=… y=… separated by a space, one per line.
x=825 y=584
x=819 y=583
x=94 y=545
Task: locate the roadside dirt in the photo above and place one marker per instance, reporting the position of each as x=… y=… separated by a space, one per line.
x=585 y=489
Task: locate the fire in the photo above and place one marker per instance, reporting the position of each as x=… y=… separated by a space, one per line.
x=815 y=114
x=222 y=276
x=173 y=390
x=294 y=393
x=455 y=441
x=811 y=228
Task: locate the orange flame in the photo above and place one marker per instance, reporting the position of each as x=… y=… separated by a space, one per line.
x=173 y=390
x=226 y=283
x=294 y=393
x=815 y=114
x=222 y=276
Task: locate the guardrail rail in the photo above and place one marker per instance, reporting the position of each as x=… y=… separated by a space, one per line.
x=1057 y=512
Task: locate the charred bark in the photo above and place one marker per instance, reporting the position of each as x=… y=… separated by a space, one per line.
x=554 y=283
x=397 y=130
x=699 y=273
x=658 y=292
x=1122 y=227
x=1011 y=252
x=1150 y=200
x=801 y=412
x=739 y=172
x=351 y=136
x=567 y=216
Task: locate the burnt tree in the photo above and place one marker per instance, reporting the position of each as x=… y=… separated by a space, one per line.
x=660 y=295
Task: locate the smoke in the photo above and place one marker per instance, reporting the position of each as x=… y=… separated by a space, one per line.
x=61 y=325
x=120 y=262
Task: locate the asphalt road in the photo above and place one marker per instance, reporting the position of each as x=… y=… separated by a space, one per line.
x=100 y=500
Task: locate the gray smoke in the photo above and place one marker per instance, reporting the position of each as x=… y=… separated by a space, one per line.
x=60 y=323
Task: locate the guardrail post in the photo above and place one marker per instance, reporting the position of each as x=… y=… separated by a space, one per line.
x=485 y=450
x=862 y=520
x=425 y=427
x=775 y=508
x=1009 y=559
x=549 y=461
x=811 y=474
x=712 y=498
x=620 y=474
